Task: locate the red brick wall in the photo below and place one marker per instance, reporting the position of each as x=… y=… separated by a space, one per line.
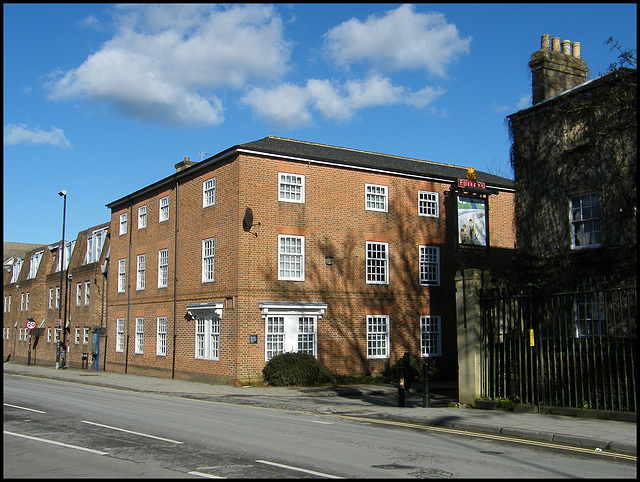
x=334 y=222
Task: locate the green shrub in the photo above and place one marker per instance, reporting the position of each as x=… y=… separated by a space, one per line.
x=295 y=369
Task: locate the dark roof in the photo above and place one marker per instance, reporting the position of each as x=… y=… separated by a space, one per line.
x=368 y=160
x=332 y=155
x=17 y=250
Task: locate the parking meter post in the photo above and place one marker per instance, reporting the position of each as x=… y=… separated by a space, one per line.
x=426 y=389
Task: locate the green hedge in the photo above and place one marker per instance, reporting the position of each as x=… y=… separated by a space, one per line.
x=296 y=369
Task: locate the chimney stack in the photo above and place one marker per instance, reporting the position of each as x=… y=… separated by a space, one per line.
x=555 y=69
x=184 y=164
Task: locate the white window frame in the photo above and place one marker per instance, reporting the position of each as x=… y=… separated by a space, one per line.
x=58 y=293
x=78 y=294
x=376 y=197
x=378 y=337
x=209 y=192
x=15 y=270
x=95 y=242
x=87 y=293
x=163 y=212
x=283 y=329
x=163 y=268
x=123 y=224
x=48 y=335
x=122 y=275
x=291 y=257
x=34 y=264
x=291 y=187
x=68 y=251
x=161 y=336
x=377 y=267
x=119 y=335
x=428 y=204
x=85 y=336
x=139 y=344
x=207 y=336
x=208 y=260
x=21 y=301
x=430 y=336
x=141 y=261
x=590 y=315
x=583 y=216
x=142 y=217
x=50 y=298
x=26 y=301
x=77 y=336
x=429 y=265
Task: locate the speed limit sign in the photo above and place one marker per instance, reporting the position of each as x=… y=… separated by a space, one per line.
x=31 y=324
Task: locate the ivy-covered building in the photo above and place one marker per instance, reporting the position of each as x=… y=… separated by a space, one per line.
x=574 y=157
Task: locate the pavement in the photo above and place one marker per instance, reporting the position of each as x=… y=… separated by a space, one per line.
x=376 y=401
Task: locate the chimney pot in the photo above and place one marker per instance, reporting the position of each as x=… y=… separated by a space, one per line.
x=576 y=50
x=555 y=44
x=545 y=42
x=566 y=47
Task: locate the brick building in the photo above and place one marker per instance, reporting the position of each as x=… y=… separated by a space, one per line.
x=574 y=156
x=36 y=289
x=281 y=245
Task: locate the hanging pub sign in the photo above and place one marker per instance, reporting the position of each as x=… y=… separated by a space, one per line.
x=466 y=183
x=471 y=204
x=472 y=221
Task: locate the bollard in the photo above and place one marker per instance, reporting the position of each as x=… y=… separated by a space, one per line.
x=401 y=393
x=426 y=389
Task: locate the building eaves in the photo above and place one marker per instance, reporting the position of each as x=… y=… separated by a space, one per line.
x=330 y=155
x=589 y=84
x=344 y=157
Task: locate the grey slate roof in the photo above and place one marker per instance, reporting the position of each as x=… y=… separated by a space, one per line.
x=363 y=159
x=333 y=155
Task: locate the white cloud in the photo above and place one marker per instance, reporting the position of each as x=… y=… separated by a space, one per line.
x=401 y=39
x=165 y=61
x=524 y=102
x=21 y=134
x=291 y=106
x=285 y=106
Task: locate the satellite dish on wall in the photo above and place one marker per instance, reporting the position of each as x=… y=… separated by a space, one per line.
x=247 y=221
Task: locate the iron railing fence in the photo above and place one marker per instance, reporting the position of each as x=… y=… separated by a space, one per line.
x=573 y=349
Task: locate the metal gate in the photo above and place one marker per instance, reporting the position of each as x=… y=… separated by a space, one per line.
x=573 y=349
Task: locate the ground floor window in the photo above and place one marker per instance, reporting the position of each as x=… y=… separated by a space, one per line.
x=139 y=336
x=378 y=336
x=120 y=335
x=291 y=333
x=291 y=327
x=208 y=337
x=161 y=340
x=430 y=336
x=207 y=320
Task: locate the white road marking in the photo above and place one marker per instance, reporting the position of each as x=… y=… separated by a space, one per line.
x=312 y=472
x=53 y=442
x=131 y=432
x=203 y=474
x=23 y=408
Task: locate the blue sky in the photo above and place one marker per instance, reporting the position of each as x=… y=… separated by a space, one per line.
x=102 y=100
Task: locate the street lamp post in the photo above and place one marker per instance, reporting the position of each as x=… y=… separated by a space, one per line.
x=62 y=356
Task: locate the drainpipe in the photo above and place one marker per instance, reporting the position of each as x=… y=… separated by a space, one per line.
x=175 y=287
x=127 y=285
x=105 y=316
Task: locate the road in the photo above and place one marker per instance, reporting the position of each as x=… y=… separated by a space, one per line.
x=60 y=429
